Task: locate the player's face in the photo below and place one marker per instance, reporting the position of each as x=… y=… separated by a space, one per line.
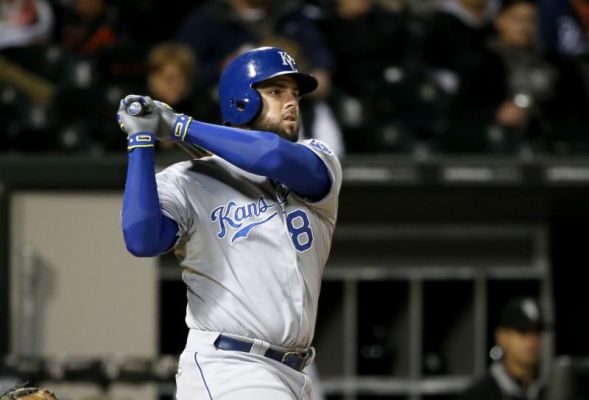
x=280 y=107
x=521 y=348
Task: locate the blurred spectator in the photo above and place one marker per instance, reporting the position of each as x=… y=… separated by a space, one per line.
x=101 y=68
x=530 y=80
x=456 y=40
x=505 y=95
x=515 y=373
x=161 y=19
x=370 y=45
x=89 y=26
x=456 y=48
x=366 y=39
x=171 y=69
x=564 y=26
x=24 y=97
x=218 y=30
x=564 y=32
x=319 y=122
x=24 y=22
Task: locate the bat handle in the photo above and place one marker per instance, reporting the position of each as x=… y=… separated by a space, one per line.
x=135 y=109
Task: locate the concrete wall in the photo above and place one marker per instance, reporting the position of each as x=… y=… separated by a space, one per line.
x=90 y=297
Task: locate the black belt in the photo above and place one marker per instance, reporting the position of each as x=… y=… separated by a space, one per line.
x=294 y=359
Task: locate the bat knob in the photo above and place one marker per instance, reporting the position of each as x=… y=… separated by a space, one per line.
x=135 y=108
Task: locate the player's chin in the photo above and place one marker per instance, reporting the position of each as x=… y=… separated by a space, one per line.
x=290 y=131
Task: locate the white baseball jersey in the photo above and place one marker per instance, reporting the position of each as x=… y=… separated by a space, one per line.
x=254 y=252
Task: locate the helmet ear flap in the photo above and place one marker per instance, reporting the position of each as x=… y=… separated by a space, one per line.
x=245 y=108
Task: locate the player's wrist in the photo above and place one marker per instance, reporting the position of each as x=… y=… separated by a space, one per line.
x=141 y=140
x=180 y=127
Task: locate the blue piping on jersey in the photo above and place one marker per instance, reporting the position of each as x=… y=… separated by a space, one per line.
x=202 y=375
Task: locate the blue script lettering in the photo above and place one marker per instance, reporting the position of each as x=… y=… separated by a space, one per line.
x=231 y=216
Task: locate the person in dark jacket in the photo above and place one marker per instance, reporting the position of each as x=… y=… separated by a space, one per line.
x=455 y=51
x=514 y=375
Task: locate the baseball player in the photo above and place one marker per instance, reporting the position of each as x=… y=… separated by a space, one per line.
x=253 y=223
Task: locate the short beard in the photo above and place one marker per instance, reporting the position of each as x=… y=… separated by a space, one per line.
x=267 y=126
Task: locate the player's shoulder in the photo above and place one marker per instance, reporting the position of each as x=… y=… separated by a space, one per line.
x=318 y=146
x=331 y=162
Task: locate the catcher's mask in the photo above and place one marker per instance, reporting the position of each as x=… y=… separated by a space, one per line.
x=240 y=101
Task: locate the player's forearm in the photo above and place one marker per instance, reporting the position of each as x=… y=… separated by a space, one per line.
x=266 y=154
x=146 y=230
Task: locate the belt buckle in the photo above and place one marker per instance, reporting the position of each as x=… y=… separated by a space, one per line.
x=285 y=356
x=306 y=355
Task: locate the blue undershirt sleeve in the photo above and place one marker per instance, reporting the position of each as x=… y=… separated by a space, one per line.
x=146 y=230
x=266 y=154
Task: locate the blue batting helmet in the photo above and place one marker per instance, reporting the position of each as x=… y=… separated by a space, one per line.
x=240 y=102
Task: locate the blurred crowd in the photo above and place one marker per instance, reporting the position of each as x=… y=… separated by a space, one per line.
x=411 y=77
